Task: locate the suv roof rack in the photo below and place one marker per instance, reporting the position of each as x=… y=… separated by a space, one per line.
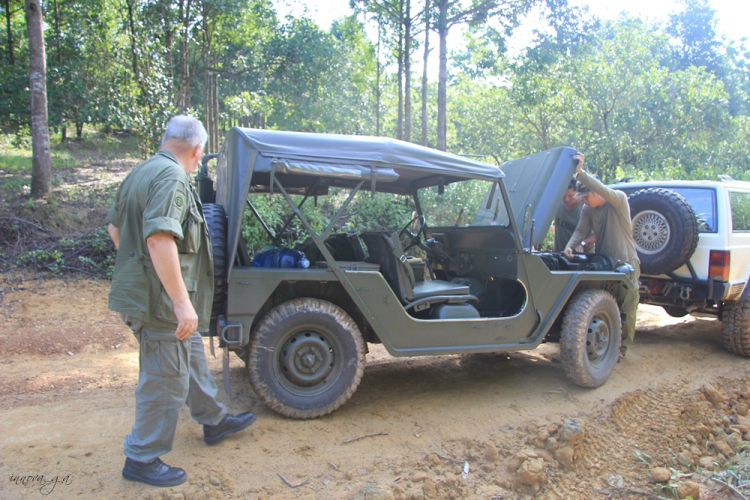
x=725 y=178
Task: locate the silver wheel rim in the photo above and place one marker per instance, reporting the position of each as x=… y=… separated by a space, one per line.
x=650 y=232
x=597 y=340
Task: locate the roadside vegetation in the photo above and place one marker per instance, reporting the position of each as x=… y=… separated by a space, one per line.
x=642 y=100
x=65 y=233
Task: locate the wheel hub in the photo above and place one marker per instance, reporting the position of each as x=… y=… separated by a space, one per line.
x=306 y=359
x=597 y=339
x=650 y=231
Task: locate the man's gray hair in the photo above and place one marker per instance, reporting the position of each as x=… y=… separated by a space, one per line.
x=185 y=128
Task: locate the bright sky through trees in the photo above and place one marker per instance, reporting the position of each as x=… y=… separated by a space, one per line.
x=732 y=15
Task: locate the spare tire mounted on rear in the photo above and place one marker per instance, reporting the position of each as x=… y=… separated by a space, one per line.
x=665 y=229
x=217 y=230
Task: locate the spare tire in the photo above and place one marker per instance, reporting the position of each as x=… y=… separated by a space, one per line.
x=216 y=221
x=665 y=229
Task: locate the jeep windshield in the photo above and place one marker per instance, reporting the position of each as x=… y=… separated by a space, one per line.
x=462 y=204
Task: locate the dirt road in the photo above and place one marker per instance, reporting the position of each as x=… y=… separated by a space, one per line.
x=475 y=426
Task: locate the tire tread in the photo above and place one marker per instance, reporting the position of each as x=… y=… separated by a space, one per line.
x=735 y=327
x=573 y=336
x=682 y=248
x=265 y=329
x=217 y=229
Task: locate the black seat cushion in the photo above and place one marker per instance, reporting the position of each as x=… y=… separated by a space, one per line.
x=424 y=289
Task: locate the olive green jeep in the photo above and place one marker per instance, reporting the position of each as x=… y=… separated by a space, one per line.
x=462 y=277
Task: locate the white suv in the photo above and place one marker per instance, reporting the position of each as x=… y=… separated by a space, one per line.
x=694 y=250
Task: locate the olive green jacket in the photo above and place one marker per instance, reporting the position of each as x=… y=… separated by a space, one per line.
x=610 y=222
x=157 y=197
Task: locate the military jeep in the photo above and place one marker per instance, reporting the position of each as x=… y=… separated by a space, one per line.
x=462 y=277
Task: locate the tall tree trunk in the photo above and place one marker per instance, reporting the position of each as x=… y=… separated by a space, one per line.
x=11 y=56
x=424 y=71
x=183 y=92
x=400 y=76
x=407 y=72
x=58 y=39
x=41 y=175
x=377 y=86
x=442 y=74
x=58 y=36
x=168 y=42
x=207 y=103
x=215 y=104
x=208 y=79
x=131 y=33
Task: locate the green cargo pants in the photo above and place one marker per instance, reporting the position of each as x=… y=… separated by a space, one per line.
x=628 y=297
x=172 y=373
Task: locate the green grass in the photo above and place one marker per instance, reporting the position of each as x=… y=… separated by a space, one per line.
x=94 y=151
x=93 y=148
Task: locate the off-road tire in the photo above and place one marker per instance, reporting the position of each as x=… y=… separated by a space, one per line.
x=287 y=340
x=216 y=220
x=665 y=229
x=735 y=327
x=675 y=311
x=591 y=314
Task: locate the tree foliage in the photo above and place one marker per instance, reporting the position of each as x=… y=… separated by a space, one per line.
x=640 y=99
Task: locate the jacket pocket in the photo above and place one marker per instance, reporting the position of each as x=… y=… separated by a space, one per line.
x=192 y=231
x=165 y=306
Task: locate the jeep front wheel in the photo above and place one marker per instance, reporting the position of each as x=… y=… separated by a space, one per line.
x=590 y=337
x=735 y=327
x=306 y=358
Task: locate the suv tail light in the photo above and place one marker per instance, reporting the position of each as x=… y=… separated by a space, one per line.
x=718 y=265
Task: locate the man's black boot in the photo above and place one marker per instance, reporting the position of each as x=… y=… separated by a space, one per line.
x=212 y=434
x=155 y=473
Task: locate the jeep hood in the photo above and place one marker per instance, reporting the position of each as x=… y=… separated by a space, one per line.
x=536 y=185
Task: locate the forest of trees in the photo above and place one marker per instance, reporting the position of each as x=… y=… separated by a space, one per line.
x=641 y=100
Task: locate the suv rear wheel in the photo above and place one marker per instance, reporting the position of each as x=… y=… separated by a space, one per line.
x=735 y=327
x=590 y=338
x=306 y=358
x=665 y=229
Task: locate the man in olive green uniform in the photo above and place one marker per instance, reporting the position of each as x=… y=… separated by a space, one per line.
x=607 y=213
x=163 y=289
x=566 y=219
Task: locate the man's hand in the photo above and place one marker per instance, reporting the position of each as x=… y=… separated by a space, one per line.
x=579 y=159
x=568 y=252
x=187 y=320
x=114 y=233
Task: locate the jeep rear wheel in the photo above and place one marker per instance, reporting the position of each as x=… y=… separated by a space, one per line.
x=665 y=229
x=735 y=327
x=590 y=337
x=306 y=358
x=216 y=221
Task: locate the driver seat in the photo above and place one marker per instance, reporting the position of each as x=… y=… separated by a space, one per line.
x=386 y=250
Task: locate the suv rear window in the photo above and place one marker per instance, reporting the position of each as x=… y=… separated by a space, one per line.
x=740 y=203
x=703 y=201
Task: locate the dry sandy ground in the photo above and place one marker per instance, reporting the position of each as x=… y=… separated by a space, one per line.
x=68 y=369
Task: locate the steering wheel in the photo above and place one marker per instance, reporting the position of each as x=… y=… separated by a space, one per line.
x=413 y=238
